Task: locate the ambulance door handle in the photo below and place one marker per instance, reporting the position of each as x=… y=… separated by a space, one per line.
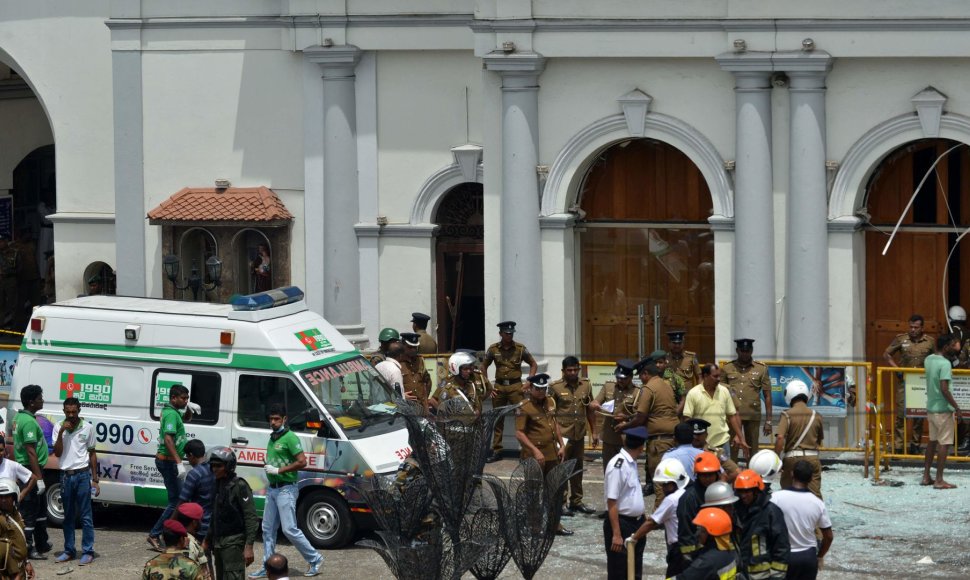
x=240 y=441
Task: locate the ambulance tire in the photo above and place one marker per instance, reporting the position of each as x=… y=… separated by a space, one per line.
x=55 y=507
x=324 y=518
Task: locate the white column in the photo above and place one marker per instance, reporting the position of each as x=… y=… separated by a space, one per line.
x=336 y=251
x=807 y=288
x=521 y=269
x=754 y=240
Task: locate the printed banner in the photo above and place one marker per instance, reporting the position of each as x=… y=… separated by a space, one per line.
x=87 y=388
x=916 y=394
x=314 y=340
x=827 y=387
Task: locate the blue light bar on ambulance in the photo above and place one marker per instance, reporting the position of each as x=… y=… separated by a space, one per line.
x=268 y=299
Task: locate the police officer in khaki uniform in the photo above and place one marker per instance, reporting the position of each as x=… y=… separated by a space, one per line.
x=419 y=324
x=657 y=409
x=538 y=432
x=508 y=357
x=748 y=381
x=417 y=380
x=912 y=347
x=683 y=362
x=572 y=396
x=621 y=395
x=799 y=437
x=464 y=383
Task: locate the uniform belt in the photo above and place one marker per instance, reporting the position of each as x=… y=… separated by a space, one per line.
x=631 y=518
x=282 y=484
x=659 y=436
x=507 y=382
x=76 y=471
x=801 y=452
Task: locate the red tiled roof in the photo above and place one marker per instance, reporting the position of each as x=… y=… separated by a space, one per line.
x=206 y=204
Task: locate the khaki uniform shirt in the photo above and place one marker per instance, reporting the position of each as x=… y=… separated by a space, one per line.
x=15 y=550
x=911 y=352
x=793 y=423
x=625 y=404
x=538 y=424
x=571 y=404
x=659 y=405
x=746 y=385
x=508 y=361
x=687 y=367
x=416 y=378
x=473 y=391
x=426 y=344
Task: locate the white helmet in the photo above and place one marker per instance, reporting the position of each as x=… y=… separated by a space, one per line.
x=957 y=314
x=795 y=388
x=766 y=463
x=8 y=486
x=719 y=493
x=458 y=360
x=671 y=470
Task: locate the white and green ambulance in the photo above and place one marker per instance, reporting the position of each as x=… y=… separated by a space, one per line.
x=119 y=356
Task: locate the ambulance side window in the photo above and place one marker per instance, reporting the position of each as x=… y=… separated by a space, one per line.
x=204 y=389
x=256 y=395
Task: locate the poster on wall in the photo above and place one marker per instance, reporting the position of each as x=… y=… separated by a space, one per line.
x=916 y=394
x=827 y=386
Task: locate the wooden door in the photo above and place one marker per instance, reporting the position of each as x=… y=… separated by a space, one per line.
x=645 y=240
x=460 y=269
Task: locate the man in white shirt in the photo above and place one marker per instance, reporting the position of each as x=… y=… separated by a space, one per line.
x=74 y=444
x=12 y=470
x=624 y=505
x=803 y=514
x=673 y=477
x=390 y=368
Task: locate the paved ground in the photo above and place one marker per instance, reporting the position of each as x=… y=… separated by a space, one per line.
x=880 y=531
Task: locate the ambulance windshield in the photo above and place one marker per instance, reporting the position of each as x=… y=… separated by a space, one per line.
x=355 y=396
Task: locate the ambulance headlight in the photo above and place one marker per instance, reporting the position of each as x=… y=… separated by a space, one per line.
x=268 y=299
x=132 y=331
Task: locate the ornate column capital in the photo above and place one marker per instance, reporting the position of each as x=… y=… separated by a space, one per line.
x=334 y=61
x=519 y=70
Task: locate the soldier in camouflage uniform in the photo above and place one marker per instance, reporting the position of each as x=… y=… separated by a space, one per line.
x=912 y=347
x=674 y=379
x=387 y=337
x=174 y=563
x=12 y=537
x=683 y=362
x=417 y=379
x=623 y=395
x=508 y=357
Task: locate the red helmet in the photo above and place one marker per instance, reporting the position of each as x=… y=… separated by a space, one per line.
x=707 y=462
x=715 y=520
x=749 y=479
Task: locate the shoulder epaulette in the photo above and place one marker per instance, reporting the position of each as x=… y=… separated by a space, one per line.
x=618 y=462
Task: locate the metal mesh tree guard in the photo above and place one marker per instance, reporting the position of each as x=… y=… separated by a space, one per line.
x=529 y=509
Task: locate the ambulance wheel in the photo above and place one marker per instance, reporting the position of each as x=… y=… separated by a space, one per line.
x=325 y=519
x=55 y=507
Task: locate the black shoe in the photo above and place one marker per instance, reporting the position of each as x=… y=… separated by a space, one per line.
x=567 y=513
x=564 y=532
x=493 y=458
x=603 y=515
x=48 y=548
x=35 y=555
x=582 y=508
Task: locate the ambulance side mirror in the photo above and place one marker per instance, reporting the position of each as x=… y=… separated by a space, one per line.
x=315 y=421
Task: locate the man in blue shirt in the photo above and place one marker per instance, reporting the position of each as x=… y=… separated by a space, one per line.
x=685 y=452
x=940 y=408
x=199 y=485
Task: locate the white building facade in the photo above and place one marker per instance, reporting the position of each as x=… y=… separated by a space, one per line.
x=364 y=116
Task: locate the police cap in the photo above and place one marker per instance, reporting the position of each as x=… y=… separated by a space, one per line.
x=411 y=338
x=507 y=326
x=744 y=343
x=676 y=336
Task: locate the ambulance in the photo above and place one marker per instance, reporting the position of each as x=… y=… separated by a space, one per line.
x=120 y=356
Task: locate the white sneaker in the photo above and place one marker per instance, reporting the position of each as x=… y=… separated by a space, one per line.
x=314 y=569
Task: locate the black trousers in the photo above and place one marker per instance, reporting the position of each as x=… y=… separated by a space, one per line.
x=34 y=511
x=616 y=561
x=802 y=565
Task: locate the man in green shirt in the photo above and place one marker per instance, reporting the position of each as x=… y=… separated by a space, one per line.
x=940 y=407
x=168 y=459
x=284 y=460
x=30 y=450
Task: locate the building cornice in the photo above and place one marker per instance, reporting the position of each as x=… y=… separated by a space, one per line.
x=64 y=217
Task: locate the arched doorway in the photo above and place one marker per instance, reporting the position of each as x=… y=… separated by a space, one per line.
x=460 y=269
x=646 y=241
x=909 y=278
